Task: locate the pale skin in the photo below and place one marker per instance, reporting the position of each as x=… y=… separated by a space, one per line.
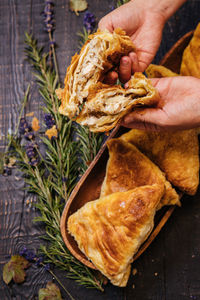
x=143 y=21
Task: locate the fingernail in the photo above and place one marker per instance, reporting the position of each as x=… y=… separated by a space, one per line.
x=125 y=62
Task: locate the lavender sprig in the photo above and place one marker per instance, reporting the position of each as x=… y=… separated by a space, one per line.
x=89 y=24
x=63 y=164
x=49 y=16
x=49 y=28
x=89 y=21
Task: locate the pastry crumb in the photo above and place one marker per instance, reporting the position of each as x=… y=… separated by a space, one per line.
x=35 y=124
x=31 y=114
x=134 y=272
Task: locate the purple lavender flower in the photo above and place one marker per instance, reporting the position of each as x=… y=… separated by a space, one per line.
x=30 y=151
x=28 y=254
x=49 y=121
x=89 y=21
x=34 y=161
x=39 y=260
x=24 y=126
x=47 y=267
x=7 y=171
x=23 y=251
x=29 y=135
x=32 y=155
x=48 y=16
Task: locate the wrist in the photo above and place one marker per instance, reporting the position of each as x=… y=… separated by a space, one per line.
x=162 y=8
x=166 y=8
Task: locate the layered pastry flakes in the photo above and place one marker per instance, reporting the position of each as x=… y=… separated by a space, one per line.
x=90 y=102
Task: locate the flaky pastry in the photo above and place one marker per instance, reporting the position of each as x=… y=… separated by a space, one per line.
x=156 y=71
x=177 y=154
x=190 y=65
x=127 y=168
x=86 y=99
x=111 y=229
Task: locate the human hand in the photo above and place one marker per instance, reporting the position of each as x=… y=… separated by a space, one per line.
x=179 y=107
x=145 y=30
x=143 y=21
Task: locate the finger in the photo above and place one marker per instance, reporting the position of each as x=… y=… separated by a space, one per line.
x=142 y=126
x=126 y=85
x=106 y=23
x=134 y=62
x=149 y=118
x=111 y=78
x=125 y=69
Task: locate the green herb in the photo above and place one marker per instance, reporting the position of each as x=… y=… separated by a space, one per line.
x=121 y=2
x=2 y=161
x=89 y=144
x=83 y=37
x=54 y=177
x=14 y=269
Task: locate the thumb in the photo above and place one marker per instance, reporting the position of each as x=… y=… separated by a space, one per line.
x=106 y=23
x=152 y=119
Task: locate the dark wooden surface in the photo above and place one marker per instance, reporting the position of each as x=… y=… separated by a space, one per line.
x=169 y=269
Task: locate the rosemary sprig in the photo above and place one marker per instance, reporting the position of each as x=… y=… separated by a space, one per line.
x=121 y=2
x=83 y=37
x=50 y=205
x=89 y=144
x=56 y=175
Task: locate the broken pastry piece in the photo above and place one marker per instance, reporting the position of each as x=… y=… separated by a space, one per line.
x=106 y=105
x=86 y=99
x=190 y=65
x=156 y=71
x=128 y=168
x=110 y=230
x=99 y=54
x=177 y=154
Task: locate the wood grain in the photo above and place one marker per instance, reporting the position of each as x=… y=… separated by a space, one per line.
x=169 y=268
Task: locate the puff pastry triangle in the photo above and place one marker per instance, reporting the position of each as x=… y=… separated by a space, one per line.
x=111 y=229
x=177 y=154
x=190 y=65
x=128 y=168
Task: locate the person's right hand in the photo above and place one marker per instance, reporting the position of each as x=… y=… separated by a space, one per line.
x=143 y=21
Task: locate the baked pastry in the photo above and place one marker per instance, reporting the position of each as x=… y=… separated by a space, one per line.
x=111 y=229
x=190 y=65
x=86 y=99
x=156 y=71
x=177 y=154
x=106 y=105
x=127 y=168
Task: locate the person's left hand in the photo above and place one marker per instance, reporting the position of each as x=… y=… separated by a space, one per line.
x=179 y=107
x=143 y=22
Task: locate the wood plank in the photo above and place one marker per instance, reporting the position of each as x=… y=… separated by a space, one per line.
x=169 y=268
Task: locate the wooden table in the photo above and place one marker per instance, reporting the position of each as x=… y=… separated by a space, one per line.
x=169 y=269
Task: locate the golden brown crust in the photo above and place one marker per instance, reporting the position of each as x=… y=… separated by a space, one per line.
x=83 y=86
x=128 y=168
x=155 y=71
x=106 y=105
x=109 y=241
x=176 y=153
x=190 y=65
